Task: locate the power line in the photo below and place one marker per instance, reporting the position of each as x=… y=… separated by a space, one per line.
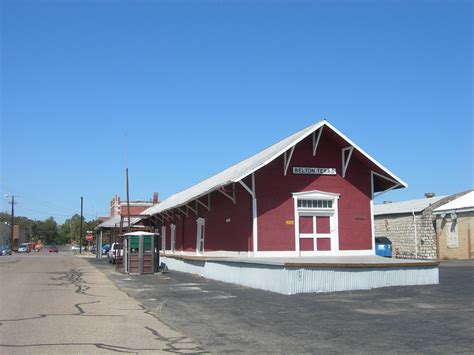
x=49 y=205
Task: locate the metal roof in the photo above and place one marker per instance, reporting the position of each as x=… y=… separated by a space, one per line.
x=464 y=203
x=246 y=167
x=141 y=233
x=115 y=222
x=405 y=206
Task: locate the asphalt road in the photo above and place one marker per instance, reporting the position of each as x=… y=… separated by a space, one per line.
x=60 y=304
x=230 y=318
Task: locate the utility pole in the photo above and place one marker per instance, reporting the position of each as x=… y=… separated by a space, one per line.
x=13 y=219
x=128 y=201
x=80 y=229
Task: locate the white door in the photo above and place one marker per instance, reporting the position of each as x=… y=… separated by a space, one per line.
x=163 y=239
x=173 y=237
x=200 y=235
x=317 y=232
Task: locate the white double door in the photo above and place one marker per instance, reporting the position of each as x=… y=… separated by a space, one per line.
x=317 y=233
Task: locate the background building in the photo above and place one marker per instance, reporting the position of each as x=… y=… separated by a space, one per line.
x=411 y=225
x=455 y=227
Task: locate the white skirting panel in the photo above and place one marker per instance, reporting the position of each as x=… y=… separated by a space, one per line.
x=292 y=280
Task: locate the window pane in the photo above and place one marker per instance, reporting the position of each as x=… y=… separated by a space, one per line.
x=299 y=203
x=305 y=203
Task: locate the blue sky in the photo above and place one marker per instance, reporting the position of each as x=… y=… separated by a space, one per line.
x=199 y=85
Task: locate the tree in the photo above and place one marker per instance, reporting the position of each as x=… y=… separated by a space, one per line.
x=48 y=231
x=70 y=229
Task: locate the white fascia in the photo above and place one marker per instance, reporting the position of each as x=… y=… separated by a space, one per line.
x=315 y=194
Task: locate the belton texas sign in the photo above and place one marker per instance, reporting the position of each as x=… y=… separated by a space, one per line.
x=314 y=171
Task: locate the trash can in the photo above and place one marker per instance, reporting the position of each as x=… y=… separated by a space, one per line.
x=383 y=247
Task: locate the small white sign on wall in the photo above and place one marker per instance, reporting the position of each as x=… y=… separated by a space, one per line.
x=299 y=170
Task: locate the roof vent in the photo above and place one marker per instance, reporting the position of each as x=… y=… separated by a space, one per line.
x=387 y=202
x=429 y=194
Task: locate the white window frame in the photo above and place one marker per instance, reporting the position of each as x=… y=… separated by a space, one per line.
x=173 y=237
x=163 y=239
x=200 y=234
x=333 y=211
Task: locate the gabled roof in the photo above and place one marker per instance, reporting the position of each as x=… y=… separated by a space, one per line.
x=406 y=206
x=463 y=203
x=248 y=166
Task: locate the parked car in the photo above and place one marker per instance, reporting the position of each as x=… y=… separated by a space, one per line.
x=53 y=249
x=105 y=249
x=93 y=249
x=75 y=248
x=23 y=248
x=5 y=250
x=116 y=251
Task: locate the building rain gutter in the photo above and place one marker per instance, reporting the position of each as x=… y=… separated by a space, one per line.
x=416 y=236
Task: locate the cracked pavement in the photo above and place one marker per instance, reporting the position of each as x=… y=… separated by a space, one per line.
x=60 y=304
x=228 y=318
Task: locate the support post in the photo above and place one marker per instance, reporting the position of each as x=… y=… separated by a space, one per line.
x=253 y=194
x=80 y=229
x=254 y=217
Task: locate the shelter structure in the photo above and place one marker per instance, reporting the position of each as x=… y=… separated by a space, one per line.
x=309 y=198
x=139 y=253
x=455 y=226
x=114 y=227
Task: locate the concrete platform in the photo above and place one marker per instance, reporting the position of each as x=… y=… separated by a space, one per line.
x=308 y=274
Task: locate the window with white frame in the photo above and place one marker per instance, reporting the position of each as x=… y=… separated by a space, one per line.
x=308 y=203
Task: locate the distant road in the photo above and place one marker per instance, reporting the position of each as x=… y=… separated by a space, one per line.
x=56 y=303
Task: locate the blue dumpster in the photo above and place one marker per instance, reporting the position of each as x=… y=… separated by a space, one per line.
x=383 y=247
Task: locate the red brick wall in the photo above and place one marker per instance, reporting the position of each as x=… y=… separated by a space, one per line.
x=133 y=209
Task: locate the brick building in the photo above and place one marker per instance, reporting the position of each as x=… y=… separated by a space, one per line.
x=411 y=225
x=118 y=207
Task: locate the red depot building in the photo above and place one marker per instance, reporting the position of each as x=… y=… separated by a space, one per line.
x=308 y=197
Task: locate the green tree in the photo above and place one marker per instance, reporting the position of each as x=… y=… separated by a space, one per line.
x=48 y=231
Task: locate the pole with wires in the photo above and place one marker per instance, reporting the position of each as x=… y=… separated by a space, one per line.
x=80 y=229
x=13 y=220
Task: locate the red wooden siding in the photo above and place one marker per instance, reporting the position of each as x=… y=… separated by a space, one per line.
x=234 y=235
x=228 y=226
x=275 y=202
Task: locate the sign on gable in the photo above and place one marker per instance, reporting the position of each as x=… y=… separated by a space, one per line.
x=313 y=171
